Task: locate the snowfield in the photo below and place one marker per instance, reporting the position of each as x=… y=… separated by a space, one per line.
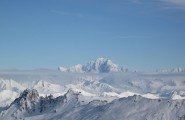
x=94 y=91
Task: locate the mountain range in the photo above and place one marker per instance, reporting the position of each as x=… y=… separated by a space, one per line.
x=72 y=105
x=174 y=70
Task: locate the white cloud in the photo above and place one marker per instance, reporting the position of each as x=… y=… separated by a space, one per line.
x=131 y=37
x=171 y=4
x=175 y=3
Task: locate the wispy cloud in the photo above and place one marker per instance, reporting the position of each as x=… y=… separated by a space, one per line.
x=137 y=1
x=169 y=4
x=64 y=13
x=174 y=3
x=131 y=37
x=59 y=12
x=177 y=2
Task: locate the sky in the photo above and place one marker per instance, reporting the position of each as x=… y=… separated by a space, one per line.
x=137 y=34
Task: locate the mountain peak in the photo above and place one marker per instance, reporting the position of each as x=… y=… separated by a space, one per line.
x=27 y=99
x=102 y=59
x=100 y=65
x=71 y=94
x=30 y=94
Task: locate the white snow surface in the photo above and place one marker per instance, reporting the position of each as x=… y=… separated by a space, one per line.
x=7 y=96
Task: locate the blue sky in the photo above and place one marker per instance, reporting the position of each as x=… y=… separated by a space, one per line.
x=136 y=34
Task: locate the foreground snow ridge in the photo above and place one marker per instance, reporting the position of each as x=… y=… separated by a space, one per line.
x=72 y=105
x=100 y=65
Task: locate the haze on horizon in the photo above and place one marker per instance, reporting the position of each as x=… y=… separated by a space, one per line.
x=143 y=35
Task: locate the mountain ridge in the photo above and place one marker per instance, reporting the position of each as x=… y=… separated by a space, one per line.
x=69 y=106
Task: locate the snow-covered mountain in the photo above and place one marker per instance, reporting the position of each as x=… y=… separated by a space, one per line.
x=140 y=95
x=97 y=96
x=6 y=84
x=87 y=88
x=174 y=70
x=100 y=65
x=54 y=95
x=45 y=88
x=10 y=89
x=102 y=86
x=29 y=106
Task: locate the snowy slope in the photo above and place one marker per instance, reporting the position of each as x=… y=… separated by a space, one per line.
x=9 y=90
x=6 y=84
x=100 y=65
x=71 y=106
x=7 y=96
x=94 y=87
x=46 y=88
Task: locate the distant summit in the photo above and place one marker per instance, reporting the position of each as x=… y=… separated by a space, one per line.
x=175 y=70
x=100 y=65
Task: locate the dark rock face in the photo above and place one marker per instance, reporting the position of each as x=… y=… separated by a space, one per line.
x=27 y=100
